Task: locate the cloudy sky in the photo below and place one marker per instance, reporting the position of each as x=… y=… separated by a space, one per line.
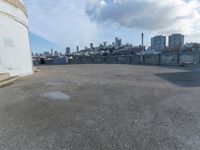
x=62 y=23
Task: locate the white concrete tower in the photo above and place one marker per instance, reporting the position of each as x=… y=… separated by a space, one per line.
x=15 y=51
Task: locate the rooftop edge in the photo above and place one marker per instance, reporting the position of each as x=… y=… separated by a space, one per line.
x=19 y=5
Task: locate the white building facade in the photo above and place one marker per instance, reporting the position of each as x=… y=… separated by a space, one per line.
x=15 y=51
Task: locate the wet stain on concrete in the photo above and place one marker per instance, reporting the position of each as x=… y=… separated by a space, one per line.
x=75 y=83
x=55 y=95
x=54 y=83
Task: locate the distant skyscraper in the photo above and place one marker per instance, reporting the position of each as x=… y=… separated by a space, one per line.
x=158 y=43
x=56 y=53
x=46 y=54
x=176 y=41
x=142 y=39
x=104 y=44
x=77 y=48
x=118 y=43
x=68 y=51
x=51 y=52
x=91 y=46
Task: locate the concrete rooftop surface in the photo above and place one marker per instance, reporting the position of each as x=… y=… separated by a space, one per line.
x=102 y=107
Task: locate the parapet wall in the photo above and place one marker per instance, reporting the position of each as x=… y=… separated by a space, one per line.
x=168 y=58
x=188 y=58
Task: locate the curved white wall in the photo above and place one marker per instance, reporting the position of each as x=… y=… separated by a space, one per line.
x=15 y=51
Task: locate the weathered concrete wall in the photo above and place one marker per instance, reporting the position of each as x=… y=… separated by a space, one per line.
x=152 y=59
x=87 y=60
x=81 y=60
x=49 y=62
x=123 y=60
x=166 y=58
x=36 y=62
x=99 y=60
x=60 y=61
x=187 y=58
x=74 y=61
x=135 y=59
x=169 y=58
x=111 y=60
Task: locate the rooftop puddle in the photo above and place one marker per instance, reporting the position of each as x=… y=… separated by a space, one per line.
x=100 y=82
x=56 y=95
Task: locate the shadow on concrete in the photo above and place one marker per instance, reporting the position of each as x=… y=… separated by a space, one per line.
x=187 y=68
x=182 y=79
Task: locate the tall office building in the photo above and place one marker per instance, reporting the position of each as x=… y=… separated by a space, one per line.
x=15 y=51
x=118 y=42
x=46 y=54
x=91 y=46
x=77 y=48
x=52 y=52
x=68 y=51
x=176 y=41
x=158 y=43
x=56 y=53
x=105 y=44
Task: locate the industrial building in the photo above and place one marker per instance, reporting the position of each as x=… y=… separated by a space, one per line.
x=15 y=51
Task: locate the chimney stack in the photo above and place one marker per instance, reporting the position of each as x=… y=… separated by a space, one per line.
x=142 y=39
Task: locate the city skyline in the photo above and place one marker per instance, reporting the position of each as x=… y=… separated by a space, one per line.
x=72 y=23
x=159 y=43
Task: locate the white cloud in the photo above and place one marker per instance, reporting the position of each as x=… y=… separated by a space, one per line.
x=68 y=22
x=62 y=21
x=159 y=16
